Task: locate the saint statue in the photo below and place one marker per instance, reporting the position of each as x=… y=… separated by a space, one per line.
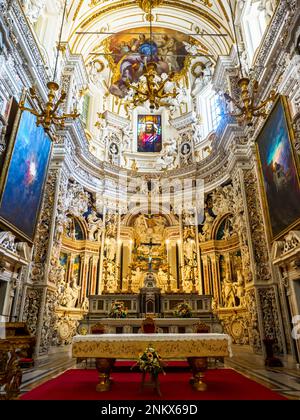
x=162 y=279
x=190 y=250
x=70 y=295
x=85 y=305
x=240 y=287
x=207 y=227
x=168 y=155
x=127 y=137
x=137 y=279
x=95 y=225
x=228 y=292
x=111 y=248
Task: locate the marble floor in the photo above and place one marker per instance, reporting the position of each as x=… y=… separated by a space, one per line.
x=285 y=381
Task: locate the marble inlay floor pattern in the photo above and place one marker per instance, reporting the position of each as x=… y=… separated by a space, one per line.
x=285 y=381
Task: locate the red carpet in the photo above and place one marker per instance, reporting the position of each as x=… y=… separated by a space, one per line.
x=223 y=384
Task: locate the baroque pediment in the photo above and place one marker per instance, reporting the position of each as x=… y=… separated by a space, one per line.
x=289 y=244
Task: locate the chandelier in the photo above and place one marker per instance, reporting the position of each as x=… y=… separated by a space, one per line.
x=49 y=113
x=158 y=90
x=248 y=106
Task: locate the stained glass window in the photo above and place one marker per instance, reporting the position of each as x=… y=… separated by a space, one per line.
x=149 y=133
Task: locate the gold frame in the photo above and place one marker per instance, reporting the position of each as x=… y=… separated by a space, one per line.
x=3 y=177
x=291 y=137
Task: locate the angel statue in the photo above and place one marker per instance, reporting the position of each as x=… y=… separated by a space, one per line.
x=168 y=155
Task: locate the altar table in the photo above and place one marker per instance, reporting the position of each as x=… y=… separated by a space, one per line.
x=196 y=348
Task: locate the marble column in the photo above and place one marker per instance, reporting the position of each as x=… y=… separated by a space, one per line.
x=101 y=270
x=216 y=277
x=94 y=268
x=200 y=287
x=118 y=256
x=83 y=276
x=181 y=256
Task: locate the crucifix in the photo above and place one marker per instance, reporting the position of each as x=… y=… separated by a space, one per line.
x=150 y=258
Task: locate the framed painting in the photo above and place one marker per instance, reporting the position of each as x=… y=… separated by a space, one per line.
x=279 y=171
x=23 y=176
x=149 y=133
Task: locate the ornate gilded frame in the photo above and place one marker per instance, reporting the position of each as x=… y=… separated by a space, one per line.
x=291 y=137
x=4 y=175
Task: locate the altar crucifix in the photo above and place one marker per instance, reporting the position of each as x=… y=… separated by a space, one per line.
x=150 y=245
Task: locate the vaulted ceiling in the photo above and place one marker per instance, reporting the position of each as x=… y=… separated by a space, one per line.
x=185 y=16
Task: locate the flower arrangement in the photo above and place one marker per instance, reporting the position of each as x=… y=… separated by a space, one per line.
x=118 y=310
x=151 y=362
x=183 y=310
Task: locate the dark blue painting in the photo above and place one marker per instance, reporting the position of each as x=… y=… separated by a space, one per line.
x=279 y=171
x=21 y=198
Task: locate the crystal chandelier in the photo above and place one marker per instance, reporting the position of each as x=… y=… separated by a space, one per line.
x=248 y=106
x=49 y=114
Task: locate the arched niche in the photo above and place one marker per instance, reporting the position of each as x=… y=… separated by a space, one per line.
x=222 y=263
x=80 y=256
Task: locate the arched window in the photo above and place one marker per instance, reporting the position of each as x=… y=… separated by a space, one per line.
x=209 y=110
x=85 y=110
x=253 y=25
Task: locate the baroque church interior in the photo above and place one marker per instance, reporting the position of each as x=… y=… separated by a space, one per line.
x=149 y=157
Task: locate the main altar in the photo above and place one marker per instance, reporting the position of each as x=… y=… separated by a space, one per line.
x=107 y=348
x=151 y=302
x=149 y=264
x=152 y=261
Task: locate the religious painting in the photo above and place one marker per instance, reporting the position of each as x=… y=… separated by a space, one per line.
x=76 y=268
x=130 y=51
x=279 y=171
x=25 y=173
x=150 y=133
x=63 y=260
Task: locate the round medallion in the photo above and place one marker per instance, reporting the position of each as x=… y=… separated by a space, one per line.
x=185 y=149
x=237 y=329
x=64 y=331
x=113 y=149
x=197 y=69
